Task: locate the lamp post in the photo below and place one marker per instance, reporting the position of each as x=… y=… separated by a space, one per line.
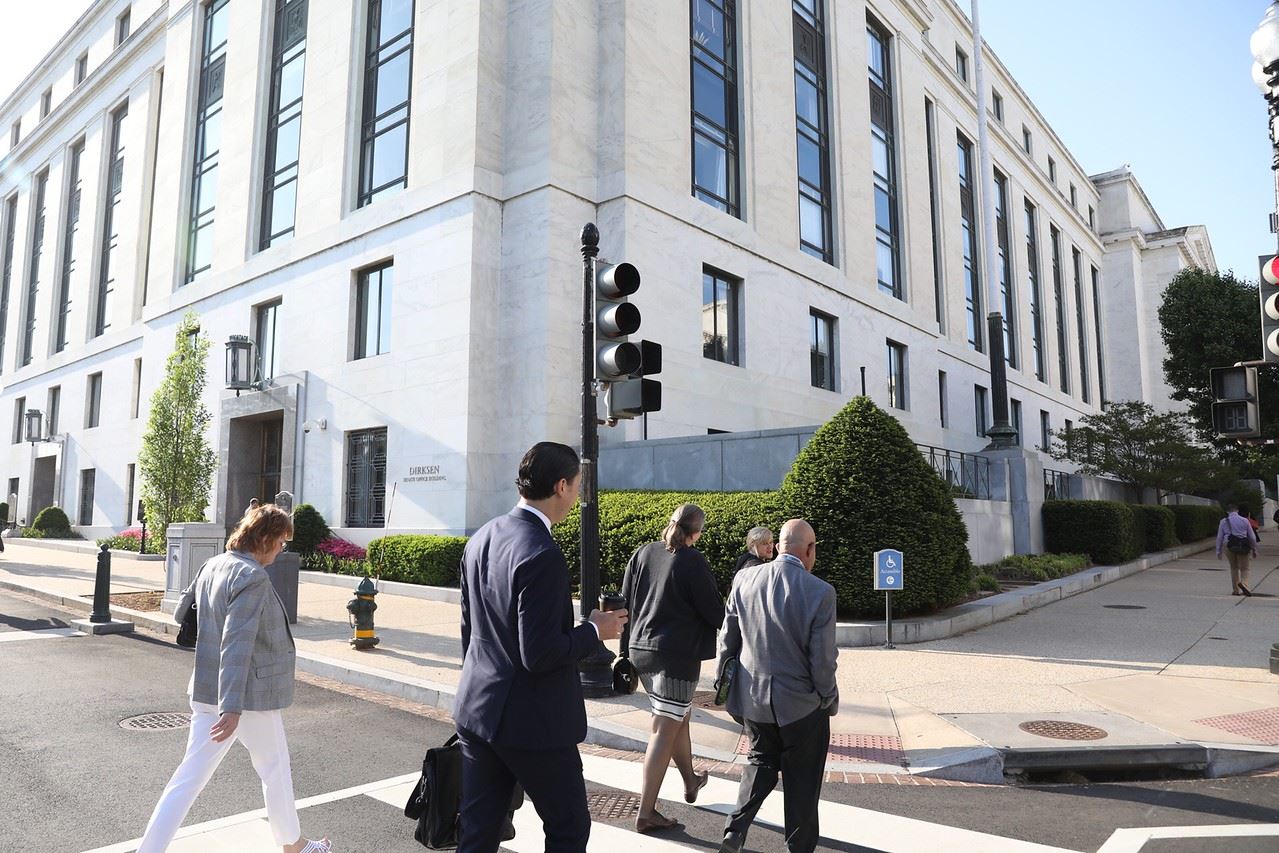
x=240 y=375
x=1264 y=45
x=33 y=422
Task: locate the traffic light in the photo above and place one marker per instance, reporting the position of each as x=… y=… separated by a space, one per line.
x=1268 y=291
x=633 y=397
x=615 y=318
x=1234 y=407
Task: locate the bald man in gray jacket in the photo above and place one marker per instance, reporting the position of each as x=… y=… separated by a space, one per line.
x=780 y=625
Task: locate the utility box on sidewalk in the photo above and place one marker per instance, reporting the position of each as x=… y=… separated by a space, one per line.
x=284 y=577
x=189 y=546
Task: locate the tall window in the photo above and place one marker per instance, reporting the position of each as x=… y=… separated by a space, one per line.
x=1015 y=416
x=129 y=477
x=208 y=140
x=1081 y=324
x=1027 y=143
x=943 y=407
x=284 y=122
x=19 y=415
x=1045 y=432
x=15 y=133
x=1052 y=170
x=1092 y=218
x=366 y=478
x=388 y=66
x=822 y=349
x=33 y=268
x=373 y=311
x=87 y=478
x=1096 y=324
x=997 y=101
x=883 y=159
x=715 y=120
x=720 y=306
x=897 y=395
x=1005 y=269
x=1074 y=196
x=961 y=64
x=6 y=271
x=812 y=131
x=981 y=417
x=70 y=244
x=46 y=102
x=93 y=401
x=939 y=281
x=265 y=321
x=123 y=25
x=968 y=223
x=1034 y=291
x=110 y=250
x=81 y=68
x=1063 y=356
x=54 y=408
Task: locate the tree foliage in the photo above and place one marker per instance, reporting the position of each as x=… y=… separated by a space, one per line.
x=176 y=461
x=1133 y=443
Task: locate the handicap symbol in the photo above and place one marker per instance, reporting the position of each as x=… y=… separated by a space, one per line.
x=889 y=563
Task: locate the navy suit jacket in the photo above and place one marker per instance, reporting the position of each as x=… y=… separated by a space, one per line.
x=520 y=644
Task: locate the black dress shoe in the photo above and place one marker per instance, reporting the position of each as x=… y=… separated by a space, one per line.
x=733 y=843
x=1247 y=593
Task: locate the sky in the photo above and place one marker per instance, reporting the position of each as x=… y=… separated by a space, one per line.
x=1162 y=85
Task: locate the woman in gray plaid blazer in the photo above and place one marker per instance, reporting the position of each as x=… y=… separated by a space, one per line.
x=243 y=678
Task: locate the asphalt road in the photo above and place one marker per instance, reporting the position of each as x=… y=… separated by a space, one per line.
x=72 y=779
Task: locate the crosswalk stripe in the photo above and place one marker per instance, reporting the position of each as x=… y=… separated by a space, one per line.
x=1133 y=840
x=39 y=634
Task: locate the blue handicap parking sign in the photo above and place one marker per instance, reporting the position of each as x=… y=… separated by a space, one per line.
x=888 y=569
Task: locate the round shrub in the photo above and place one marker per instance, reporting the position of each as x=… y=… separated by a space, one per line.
x=417 y=558
x=1159 y=526
x=309 y=529
x=52 y=521
x=863 y=485
x=1107 y=531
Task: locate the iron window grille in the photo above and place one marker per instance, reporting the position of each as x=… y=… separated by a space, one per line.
x=33 y=268
x=716 y=171
x=1056 y=485
x=720 y=306
x=284 y=123
x=365 y=495
x=812 y=132
x=883 y=159
x=208 y=140
x=968 y=225
x=388 y=71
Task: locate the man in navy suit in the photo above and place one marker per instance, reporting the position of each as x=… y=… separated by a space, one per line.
x=519 y=708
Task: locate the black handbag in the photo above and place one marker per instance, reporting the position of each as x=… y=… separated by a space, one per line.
x=189 y=630
x=436 y=799
x=625 y=676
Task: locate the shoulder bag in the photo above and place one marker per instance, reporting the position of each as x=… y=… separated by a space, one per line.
x=435 y=800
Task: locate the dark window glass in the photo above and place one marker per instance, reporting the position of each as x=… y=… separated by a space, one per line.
x=1085 y=391
x=1096 y=322
x=816 y=227
x=720 y=294
x=883 y=160
x=1033 y=288
x=87 y=478
x=715 y=118
x=961 y=64
x=208 y=140
x=1026 y=139
x=1045 y=432
x=897 y=396
x=55 y=407
x=822 y=349
x=284 y=122
x=998 y=100
x=1063 y=355
x=942 y=405
x=373 y=312
x=19 y=417
x=70 y=244
x=388 y=65
x=46 y=103
x=981 y=417
x=33 y=268
x=6 y=272
x=129 y=471
x=366 y=478
x=1074 y=196
x=934 y=209
x=81 y=68
x=123 y=26
x=110 y=251
x=1015 y=417
x=1052 y=170
x=968 y=237
x=265 y=326
x=1005 y=269
x=93 y=405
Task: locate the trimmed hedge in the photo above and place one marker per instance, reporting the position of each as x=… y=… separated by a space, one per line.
x=1196 y=522
x=1157 y=525
x=414 y=558
x=1105 y=530
x=52 y=522
x=309 y=529
x=1037 y=567
x=629 y=519
x=863 y=485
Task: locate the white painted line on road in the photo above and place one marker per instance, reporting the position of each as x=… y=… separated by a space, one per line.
x=847 y=824
x=41 y=634
x=1133 y=840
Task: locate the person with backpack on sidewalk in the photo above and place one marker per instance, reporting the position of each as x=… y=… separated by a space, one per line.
x=1235 y=534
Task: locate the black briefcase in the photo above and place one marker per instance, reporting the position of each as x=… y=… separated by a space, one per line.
x=436 y=799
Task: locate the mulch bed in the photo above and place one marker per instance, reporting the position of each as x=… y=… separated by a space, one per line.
x=143 y=601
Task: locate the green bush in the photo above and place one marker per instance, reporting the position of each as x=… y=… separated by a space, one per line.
x=1105 y=530
x=1036 y=567
x=629 y=519
x=986 y=582
x=309 y=529
x=1159 y=526
x=52 y=522
x=1242 y=495
x=37 y=533
x=1195 y=522
x=863 y=485
x=414 y=558
x=318 y=561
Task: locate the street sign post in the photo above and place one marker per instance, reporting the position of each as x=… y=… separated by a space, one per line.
x=889 y=576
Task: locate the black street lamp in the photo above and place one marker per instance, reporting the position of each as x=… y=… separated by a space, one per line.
x=34 y=425
x=241 y=374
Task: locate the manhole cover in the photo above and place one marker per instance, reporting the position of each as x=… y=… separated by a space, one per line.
x=1061 y=730
x=612 y=806
x=1123 y=607
x=157 y=722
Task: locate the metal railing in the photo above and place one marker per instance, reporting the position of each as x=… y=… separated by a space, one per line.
x=967 y=475
x=1056 y=485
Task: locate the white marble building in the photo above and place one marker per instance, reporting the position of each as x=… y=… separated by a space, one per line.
x=405 y=255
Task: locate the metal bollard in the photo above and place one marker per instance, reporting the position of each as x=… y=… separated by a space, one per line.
x=102 y=589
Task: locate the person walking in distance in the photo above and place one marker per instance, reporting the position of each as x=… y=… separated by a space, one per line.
x=519 y=708
x=780 y=625
x=243 y=678
x=1236 y=536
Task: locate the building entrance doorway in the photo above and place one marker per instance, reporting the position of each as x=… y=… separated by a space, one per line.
x=44 y=478
x=254 y=462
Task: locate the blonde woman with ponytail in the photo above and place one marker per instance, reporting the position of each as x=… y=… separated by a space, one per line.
x=675 y=610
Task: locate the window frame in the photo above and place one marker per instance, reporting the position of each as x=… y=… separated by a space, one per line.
x=731 y=350
x=84 y=506
x=19 y=419
x=361 y=481
x=1085 y=384
x=888 y=237
x=46 y=102
x=811 y=67
x=275 y=178
x=377 y=55
x=819 y=321
x=1035 y=283
x=981 y=410
x=997 y=105
x=112 y=198
x=704 y=128
x=6 y=266
x=961 y=64
x=362 y=297
x=39 y=210
x=970 y=225
x=934 y=207
x=1007 y=286
x=1059 y=297
x=1014 y=418
x=206 y=160
x=123 y=26
x=53 y=409
x=70 y=230
x=943 y=404
x=1097 y=332
x=267 y=313
x=93 y=401
x=81 y=68
x=898 y=375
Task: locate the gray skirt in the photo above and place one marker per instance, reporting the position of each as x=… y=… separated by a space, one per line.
x=669 y=681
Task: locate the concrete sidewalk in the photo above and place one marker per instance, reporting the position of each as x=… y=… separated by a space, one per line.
x=1162 y=665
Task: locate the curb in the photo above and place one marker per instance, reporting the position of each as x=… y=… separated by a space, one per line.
x=88 y=547
x=1005 y=605
x=445 y=594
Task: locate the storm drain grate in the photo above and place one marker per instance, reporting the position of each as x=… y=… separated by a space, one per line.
x=612 y=806
x=156 y=722
x=1261 y=725
x=1062 y=730
x=866 y=749
x=1124 y=606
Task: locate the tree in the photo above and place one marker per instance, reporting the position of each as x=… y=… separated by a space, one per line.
x=176 y=461
x=1134 y=444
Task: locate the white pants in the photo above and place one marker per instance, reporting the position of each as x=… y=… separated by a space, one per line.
x=262 y=733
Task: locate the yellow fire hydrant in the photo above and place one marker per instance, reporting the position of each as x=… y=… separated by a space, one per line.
x=360 y=610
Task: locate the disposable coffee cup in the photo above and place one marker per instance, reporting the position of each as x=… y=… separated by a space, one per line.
x=612 y=601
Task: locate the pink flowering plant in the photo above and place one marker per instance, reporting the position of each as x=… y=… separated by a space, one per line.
x=336 y=556
x=129 y=539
